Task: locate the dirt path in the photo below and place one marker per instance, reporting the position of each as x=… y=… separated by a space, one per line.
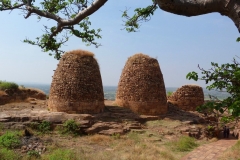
x=210 y=151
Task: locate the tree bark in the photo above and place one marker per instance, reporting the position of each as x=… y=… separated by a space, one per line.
x=230 y=8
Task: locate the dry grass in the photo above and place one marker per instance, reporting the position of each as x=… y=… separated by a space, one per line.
x=148 y=145
x=81 y=53
x=139 y=55
x=99 y=139
x=132 y=146
x=232 y=153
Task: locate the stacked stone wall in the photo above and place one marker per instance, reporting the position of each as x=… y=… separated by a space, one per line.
x=141 y=86
x=77 y=85
x=188 y=97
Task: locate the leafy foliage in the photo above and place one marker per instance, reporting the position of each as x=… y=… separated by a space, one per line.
x=183 y=144
x=132 y=24
x=169 y=93
x=8 y=85
x=6 y=154
x=33 y=154
x=72 y=19
x=71 y=127
x=44 y=127
x=9 y=140
x=223 y=78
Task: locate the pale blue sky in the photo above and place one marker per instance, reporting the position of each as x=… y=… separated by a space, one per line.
x=179 y=43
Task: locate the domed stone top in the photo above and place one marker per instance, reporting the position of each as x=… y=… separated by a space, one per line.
x=188 y=97
x=141 y=86
x=77 y=85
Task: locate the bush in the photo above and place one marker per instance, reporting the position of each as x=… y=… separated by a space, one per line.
x=6 y=154
x=8 y=85
x=33 y=154
x=71 y=127
x=186 y=143
x=183 y=144
x=169 y=94
x=10 y=140
x=44 y=127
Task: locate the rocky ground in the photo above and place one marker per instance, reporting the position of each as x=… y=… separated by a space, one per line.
x=113 y=121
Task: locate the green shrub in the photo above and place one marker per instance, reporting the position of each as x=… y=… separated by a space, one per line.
x=183 y=144
x=116 y=136
x=44 y=127
x=33 y=154
x=62 y=154
x=10 y=140
x=71 y=127
x=8 y=85
x=6 y=154
x=186 y=143
x=169 y=93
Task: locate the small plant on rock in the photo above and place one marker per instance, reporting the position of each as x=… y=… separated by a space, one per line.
x=169 y=94
x=116 y=136
x=71 y=127
x=44 y=127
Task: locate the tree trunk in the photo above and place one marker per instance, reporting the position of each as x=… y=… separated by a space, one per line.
x=230 y=8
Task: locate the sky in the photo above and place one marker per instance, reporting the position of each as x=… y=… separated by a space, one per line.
x=178 y=43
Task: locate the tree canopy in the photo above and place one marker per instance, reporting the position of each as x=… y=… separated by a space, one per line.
x=72 y=17
x=222 y=78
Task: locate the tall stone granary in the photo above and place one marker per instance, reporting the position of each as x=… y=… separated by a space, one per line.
x=188 y=97
x=141 y=86
x=77 y=85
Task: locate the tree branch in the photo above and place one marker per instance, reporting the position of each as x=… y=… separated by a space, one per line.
x=43 y=14
x=12 y=8
x=85 y=13
x=230 y=8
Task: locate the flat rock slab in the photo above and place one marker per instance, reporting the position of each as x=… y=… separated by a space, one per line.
x=115 y=120
x=40 y=115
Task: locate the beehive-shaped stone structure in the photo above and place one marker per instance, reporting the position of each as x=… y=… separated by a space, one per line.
x=77 y=85
x=141 y=86
x=188 y=97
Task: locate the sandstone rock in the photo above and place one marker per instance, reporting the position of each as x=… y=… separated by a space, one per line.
x=111 y=132
x=32 y=102
x=145 y=118
x=138 y=131
x=12 y=95
x=97 y=127
x=186 y=133
x=18 y=126
x=184 y=129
